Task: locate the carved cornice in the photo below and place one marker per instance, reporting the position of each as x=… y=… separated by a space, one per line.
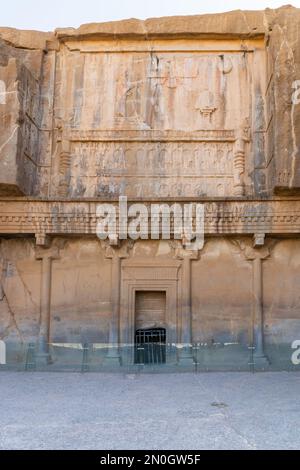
x=224 y=217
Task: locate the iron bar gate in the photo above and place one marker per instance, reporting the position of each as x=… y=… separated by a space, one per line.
x=150 y=346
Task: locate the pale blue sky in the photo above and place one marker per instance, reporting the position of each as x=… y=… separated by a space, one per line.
x=47 y=15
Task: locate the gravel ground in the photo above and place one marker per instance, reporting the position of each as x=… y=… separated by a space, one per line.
x=155 y=411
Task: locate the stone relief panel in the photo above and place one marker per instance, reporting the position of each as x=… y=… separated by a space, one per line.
x=146 y=124
x=151 y=168
x=158 y=90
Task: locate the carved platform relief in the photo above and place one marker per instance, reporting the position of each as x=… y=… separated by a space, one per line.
x=150 y=169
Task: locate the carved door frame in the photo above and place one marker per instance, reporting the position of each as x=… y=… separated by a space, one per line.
x=139 y=275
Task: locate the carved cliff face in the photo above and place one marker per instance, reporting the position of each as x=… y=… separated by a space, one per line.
x=152 y=123
x=195 y=108
x=171 y=107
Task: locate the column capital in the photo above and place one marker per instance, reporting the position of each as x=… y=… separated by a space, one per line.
x=121 y=250
x=256 y=253
x=181 y=252
x=48 y=253
x=259 y=248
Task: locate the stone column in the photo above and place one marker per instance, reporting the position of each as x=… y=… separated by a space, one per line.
x=186 y=325
x=114 y=327
x=257 y=254
x=116 y=254
x=185 y=350
x=258 y=333
x=46 y=256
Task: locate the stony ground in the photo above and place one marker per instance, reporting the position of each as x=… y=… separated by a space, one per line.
x=172 y=411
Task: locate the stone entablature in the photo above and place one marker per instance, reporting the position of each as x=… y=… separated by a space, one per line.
x=222 y=217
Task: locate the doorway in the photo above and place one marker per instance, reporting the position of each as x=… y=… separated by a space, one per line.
x=150 y=331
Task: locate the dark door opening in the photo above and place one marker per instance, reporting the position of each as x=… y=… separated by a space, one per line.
x=150 y=346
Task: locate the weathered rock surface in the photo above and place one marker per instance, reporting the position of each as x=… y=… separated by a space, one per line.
x=203 y=108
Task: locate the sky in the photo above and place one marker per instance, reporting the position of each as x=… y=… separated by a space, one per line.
x=48 y=15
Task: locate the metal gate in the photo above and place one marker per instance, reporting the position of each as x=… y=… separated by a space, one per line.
x=150 y=346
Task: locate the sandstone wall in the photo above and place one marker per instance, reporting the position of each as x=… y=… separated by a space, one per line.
x=221 y=297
